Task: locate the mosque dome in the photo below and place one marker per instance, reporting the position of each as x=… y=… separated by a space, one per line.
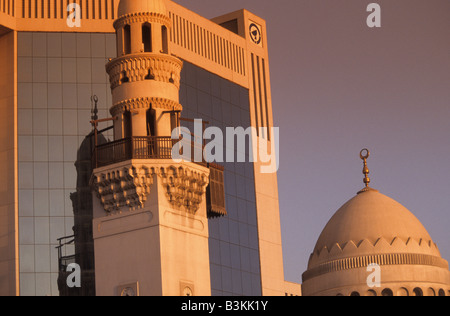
x=138 y=6
x=372 y=217
x=373 y=229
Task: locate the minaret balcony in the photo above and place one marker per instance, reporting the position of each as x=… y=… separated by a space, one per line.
x=117 y=188
x=144 y=66
x=145 y=147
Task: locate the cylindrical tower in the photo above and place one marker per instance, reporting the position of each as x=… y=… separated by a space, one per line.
x=145 y=78
x=150 y=225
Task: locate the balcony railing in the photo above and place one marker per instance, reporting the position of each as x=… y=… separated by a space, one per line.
x=137 y=148
x=65 y=261
x=161 y=148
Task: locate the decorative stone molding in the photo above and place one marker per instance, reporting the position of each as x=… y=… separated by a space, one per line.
x=129 y=187
x=380 y=245
x=383 y=251
x=124 y=187
x=184 y=187
x=142 y=17
x=144 y=66
x=145 y=103
x=381 y=259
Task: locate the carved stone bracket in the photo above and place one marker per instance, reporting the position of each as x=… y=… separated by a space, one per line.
x=124 y=187
x=129 y=187
x=184 y=187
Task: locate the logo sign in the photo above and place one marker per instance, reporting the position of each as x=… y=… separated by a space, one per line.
x=243 y=140
x=74 y=279
x=256 y=34
x=74 y=17
x=374 y=19
x=374 y=278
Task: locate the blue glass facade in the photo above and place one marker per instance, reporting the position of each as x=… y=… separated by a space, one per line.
x=57 y=75
x=233 y=242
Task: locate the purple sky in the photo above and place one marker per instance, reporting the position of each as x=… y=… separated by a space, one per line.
x=339 y=86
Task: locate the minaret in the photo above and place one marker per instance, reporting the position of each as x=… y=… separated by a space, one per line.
x=150 y=219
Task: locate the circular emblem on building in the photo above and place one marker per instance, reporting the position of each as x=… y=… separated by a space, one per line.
x=128 y=291
x=255 y=33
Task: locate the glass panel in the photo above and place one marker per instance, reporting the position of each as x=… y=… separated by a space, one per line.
x=212 y=98
x=53 y=120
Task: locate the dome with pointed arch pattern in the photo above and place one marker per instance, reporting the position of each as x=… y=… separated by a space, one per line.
x=371 y=216
x=369 y=229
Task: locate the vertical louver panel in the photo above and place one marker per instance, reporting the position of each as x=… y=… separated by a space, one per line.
x=215 y=194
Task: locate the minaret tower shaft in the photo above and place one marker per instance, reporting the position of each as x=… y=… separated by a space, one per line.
x=150 y=218
x=145 y=78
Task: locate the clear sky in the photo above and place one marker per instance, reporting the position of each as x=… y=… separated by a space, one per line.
x=339 y=86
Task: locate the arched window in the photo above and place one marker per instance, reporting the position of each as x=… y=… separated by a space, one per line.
x=441 y=292
x=418 y=291
x=150 y=123
x=173 y=120
x=402 y=292
x=355 y=294
x=127 y=128
x=371 y=293
x=147 y=37
x=387 y=292
x=165 y=40
x=127 y=39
